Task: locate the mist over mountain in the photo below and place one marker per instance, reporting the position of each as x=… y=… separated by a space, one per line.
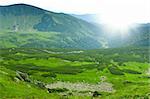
x=137 y=34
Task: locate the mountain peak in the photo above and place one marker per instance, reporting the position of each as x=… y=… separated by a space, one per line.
x=20 y=9
x=19 y=5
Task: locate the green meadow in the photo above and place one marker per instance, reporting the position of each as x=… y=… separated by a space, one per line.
x=119 y=73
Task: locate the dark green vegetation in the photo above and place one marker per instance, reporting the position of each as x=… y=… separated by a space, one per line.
x=127 y=69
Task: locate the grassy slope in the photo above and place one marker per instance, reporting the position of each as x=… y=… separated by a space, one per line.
x=77 y=69
x=11 y=89
x=20 y=39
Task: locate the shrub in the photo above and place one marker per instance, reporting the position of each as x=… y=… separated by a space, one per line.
x=131 y=71
x=96 y=94
x=53 y=75
x=120 y=63
x=115 y=70
x=57 y=90
x=101 y=68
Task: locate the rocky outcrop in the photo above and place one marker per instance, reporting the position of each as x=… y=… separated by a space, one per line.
x=40 y=84
x=22 y=76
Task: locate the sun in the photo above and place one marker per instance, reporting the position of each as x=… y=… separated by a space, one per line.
x=118 y=26
x=115 y=22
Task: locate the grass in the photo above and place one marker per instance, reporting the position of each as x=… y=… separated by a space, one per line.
x=12 y=89
x=89 y=76
x=86 y=67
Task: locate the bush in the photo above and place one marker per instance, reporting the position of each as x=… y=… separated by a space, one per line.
x=57 y=90
x=53 y=75
x=115 y=70
x=96 y=94
x=131 y=71
x=31 y=72
x=101 y=68
x=120 y=63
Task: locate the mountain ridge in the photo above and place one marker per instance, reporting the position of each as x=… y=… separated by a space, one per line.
x=72 y=31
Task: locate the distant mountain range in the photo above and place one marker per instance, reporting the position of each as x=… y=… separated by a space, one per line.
x=92 y=18
x=27 y=26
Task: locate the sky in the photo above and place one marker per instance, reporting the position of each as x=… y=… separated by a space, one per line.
x=109 y=11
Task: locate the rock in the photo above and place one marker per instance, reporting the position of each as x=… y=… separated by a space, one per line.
x=103 y=78
x=22 y=76
x=40 y=84
x=16 y=79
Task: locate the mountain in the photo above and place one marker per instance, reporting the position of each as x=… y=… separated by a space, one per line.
x=140 y=35
x=28 y=26
x=24 y=25
x=135 y=35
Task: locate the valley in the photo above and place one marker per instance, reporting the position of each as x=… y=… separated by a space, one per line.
x=51 y=55
x=103 y=73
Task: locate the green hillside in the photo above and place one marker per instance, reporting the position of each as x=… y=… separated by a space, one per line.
x=21 y=20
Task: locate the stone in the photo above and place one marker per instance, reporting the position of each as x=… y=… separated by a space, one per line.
x=22 y=76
